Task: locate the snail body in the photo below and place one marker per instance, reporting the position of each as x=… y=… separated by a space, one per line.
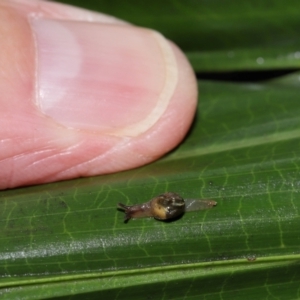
x=164 y=207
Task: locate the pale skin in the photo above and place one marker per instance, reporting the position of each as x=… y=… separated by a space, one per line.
x=132 y=100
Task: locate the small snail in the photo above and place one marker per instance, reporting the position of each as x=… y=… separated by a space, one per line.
x=164 y=207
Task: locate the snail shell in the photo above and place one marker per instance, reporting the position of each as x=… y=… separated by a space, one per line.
x=163 y=207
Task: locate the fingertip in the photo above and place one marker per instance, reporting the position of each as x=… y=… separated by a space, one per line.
x=157 y=93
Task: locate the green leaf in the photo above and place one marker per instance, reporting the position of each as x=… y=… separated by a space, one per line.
x=68 y=238
x=219 y=35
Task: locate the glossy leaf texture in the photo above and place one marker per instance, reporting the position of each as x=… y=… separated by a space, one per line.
x=219 y=35
x=69 y=240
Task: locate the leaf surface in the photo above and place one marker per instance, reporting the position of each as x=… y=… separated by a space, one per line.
x=68 y=238
x=219 y=35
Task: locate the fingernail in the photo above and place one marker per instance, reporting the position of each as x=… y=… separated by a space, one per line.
x=101 y=77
